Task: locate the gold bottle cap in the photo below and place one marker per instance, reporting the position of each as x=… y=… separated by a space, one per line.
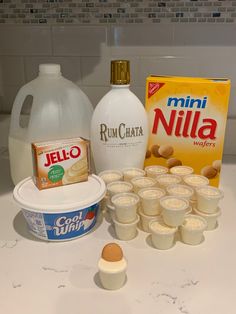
x=120 y=72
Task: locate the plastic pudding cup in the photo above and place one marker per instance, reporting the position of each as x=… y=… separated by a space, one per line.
x=112 y=274
x=162 y=235
x=142 y=182
x=195 y=181
x=208 y=198
x=154 y=171
x=181 y=170
x=130 y=173
x=173 y=210
x=165 y=180
x=62 y=213
x=109 y=176
x=211 y=219
x=180 y=190
x=116 y=187
x=150 y=200
x=126 y=231
x=192 y=229
x=146 y=219
x=126 y=205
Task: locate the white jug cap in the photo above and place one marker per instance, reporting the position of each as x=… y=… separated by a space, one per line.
x=49 y=68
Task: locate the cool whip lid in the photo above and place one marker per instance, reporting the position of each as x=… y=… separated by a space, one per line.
x=59 y=199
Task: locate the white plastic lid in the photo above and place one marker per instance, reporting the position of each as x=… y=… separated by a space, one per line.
x=59 y=199
x=49 y=68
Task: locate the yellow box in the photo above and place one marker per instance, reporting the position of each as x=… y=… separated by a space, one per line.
x=188 y=116
x=60 y=162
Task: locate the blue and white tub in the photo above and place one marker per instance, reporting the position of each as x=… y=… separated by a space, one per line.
x=61 y=213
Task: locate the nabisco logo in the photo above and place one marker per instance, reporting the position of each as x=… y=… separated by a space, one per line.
x=153 y=87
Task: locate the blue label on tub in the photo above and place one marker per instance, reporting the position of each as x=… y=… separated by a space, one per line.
x=62 y=226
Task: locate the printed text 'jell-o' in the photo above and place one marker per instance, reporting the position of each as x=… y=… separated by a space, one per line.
x=60 y=162
x=187 y=119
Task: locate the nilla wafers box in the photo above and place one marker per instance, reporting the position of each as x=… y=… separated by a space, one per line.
x=60 y=162
x=187 y=120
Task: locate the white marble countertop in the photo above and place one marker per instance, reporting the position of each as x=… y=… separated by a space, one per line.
x=56 y=278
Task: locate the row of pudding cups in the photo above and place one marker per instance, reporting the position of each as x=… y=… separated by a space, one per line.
x=161 y=214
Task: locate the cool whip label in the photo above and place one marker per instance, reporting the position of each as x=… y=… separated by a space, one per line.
x=62 y=226
x=187 y=119
x=60 y=162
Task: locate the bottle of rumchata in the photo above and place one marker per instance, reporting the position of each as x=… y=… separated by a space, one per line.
x=119 y=128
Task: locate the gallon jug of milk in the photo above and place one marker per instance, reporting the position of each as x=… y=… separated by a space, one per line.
x=59 y=110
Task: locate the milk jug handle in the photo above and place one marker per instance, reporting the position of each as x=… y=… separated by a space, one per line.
x=17 y=106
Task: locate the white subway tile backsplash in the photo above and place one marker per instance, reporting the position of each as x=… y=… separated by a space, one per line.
x=11 y=70
x=79 y=40
x=95 y=71
x=7 y=97
x=23 y=40
x=95 y=93
x=70 y=66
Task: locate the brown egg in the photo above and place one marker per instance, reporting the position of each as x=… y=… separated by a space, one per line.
x=112 y=252
x=148 y=153
x=155 y=150
x=172 y=162
x=209 y=172
x=166 y=151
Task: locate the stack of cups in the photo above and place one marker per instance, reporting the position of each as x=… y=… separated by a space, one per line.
x=125 y=218
x=150 y=206
x=208 y=198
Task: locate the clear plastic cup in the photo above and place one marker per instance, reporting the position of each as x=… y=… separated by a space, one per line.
x=181 y=170
x=150 y=200
x=162 y=235
x=116 y=187
x=109 y=176
x=173 y=210
x=155 y=170
x=126 y=231
x=165 y=180
x=142 y=182
x=192 y=229
x=208 y=198
x=180 y=190
x=211 y=219
x=126 y=205
x=146 y=219
x=130 y=173
x=195 y=181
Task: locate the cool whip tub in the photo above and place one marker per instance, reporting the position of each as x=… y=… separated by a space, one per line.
x=63 y=213
x=130 y=173
x=208 y=198
x=162 y=235
x=211 y=219
x=154 y=171
x=165 y=180
x=181 y=170
x=142 y=182
x=173 y=210
x=192 y=229
x=126 y=231
x=150 y=200
x=126 y=205
x=195 y=181
x=146 y=219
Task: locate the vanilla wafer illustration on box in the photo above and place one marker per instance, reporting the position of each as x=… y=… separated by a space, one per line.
x=60 y=162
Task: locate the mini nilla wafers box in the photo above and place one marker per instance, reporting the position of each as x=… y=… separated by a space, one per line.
x=187 y=120
x=60 y=162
